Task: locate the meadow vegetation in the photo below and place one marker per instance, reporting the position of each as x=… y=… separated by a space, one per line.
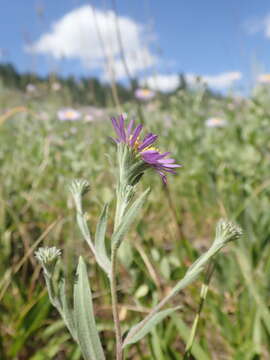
x=225 y=174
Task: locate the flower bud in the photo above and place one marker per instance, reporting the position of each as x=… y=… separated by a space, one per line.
x=227 y=231
x=48 y=257
x=79 y=187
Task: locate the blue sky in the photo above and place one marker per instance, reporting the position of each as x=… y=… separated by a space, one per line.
x=162 y=38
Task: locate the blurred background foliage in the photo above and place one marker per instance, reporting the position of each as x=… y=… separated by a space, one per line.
x=225 y=174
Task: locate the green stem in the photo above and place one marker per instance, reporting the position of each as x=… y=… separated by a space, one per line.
x=117 y=327
x=204 y=290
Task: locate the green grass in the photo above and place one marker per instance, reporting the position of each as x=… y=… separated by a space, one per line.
x=225 y=174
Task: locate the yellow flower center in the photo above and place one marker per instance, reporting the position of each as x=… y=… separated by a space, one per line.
x=151 y=148
x=69 y=114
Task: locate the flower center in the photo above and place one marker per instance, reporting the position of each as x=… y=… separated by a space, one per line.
x=150 y=148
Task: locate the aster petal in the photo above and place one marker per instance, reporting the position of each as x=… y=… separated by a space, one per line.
x=150 y=153
x=161 y=156
x=122 y=128
x=163 y=177
x=129 y=128
x=162 y=168
x=169 y=171
x=166 y=161
x=147 y=141
x=171 y=165
x=116 y=127
x=149 y=156
x=136 y=134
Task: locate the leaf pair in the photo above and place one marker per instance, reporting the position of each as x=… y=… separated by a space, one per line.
x=80 y=319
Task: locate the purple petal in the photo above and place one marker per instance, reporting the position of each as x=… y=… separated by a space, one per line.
x=150 y=157
x=136 y=134
x=148 y=140
x=129 y=129
x=169 y=171
x=161 y=156
x=150 y=153
x=122 y=127
x=116 y=127
x=166 y=161
x=172 y=165
x=149 y=135
x=162 y=168
x=163 y=177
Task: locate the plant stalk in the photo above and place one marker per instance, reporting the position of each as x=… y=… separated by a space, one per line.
x=204 y=289
x=116 y=319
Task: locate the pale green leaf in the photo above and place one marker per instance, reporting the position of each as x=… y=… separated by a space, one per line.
x=88 y=337
x=101 y=253
x=66 y=310
x=138 y=331
x=128 y=219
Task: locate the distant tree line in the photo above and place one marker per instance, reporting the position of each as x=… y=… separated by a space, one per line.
x=83 y=90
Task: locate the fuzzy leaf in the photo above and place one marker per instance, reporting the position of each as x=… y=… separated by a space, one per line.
x=137 y=332
x=66 y=311
x=87 y=333
x=100 y=247
x=81 y=221
x=128 y=219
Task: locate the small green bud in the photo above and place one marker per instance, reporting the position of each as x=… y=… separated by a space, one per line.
x=79 y=187
x=227 y=231
x=48 y=257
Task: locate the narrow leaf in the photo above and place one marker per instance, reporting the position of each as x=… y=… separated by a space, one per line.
x=137 y=332
x=66 y=310
x=128 y=219
x=81 y=221
x=101 y=253
x=88 y=337
x=190 y=276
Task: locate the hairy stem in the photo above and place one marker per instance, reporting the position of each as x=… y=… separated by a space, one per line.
x=117 y=327
x=204 y=290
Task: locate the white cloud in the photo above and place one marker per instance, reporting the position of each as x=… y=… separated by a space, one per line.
x=163 y=83
x=137 y=61
x=255 y=25
x=266 y=26
x=75 y=36
x=218 y=82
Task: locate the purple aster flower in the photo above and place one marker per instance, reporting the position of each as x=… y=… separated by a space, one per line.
x=150 y=156
x=68 y=114
x=144 y=94
x=216 y=122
